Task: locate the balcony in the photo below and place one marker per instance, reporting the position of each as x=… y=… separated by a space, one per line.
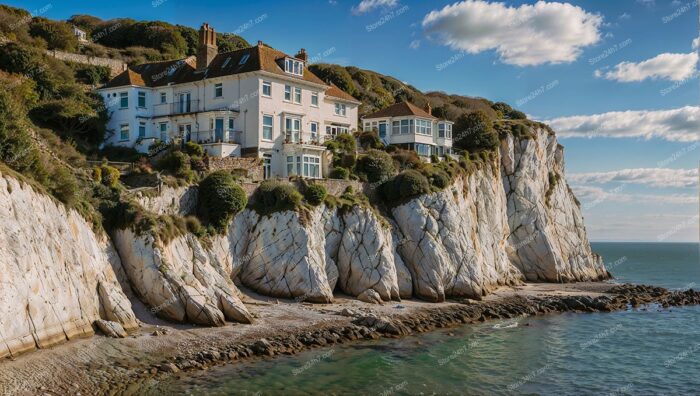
x=306 y=139
x=176 y=108
x=218 y=136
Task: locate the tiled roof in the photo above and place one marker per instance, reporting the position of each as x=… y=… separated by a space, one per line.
x=336 y=92
x=399 y=110
x=257 y=58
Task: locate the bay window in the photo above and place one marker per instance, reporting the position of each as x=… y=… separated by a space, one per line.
x=395 y=127
x=293 y=165
x=312 y=166
x=423 y=149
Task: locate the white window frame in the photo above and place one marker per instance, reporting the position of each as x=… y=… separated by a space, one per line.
x=313 y=127
x=163 y=98
x=294 y=66
x=292 y=129
x=271 y=126
x=297 y=95
x=314 y=99
x=218 y=90
x=396 y=127
x=124 y=128
x=442 y=130
x=311 y=166
x=288 y=93
x=142 y=127
x=340 y=109
x=268 y=85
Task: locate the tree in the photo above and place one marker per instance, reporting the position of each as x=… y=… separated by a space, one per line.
x=474 y=132
x=58 y=35
x=220 y=198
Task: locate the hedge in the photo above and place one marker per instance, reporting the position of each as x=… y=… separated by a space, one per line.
x=219 y=199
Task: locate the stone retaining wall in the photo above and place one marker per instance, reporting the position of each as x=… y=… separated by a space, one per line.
x=250 y=168
x=115 y=66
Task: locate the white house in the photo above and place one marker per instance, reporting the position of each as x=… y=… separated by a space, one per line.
x=255 y=102
x=80 y=35
x=410 y=127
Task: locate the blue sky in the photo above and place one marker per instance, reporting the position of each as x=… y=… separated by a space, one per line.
x=617 y=79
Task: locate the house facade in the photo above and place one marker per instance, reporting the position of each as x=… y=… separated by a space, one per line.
x=411 y=127
x=253 y=102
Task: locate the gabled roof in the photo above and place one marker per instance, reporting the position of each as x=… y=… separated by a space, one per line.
x=257 y=58
x=336 y=92
x=400 y=110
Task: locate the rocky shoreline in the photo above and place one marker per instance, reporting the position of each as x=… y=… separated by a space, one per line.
x=342 y=323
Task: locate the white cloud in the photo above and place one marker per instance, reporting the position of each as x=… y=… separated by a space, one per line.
x=653 y=177
x=696 y=43
x=625 y=15
x=369 y=5
x=592 y=196
x=415 y=44
x=680 y=125
x=546 y=32
x=674 y=67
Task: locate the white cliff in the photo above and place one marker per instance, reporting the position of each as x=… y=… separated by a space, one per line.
x=180 y=280
x=454 y=241
x=57 y=275
x=548 y=239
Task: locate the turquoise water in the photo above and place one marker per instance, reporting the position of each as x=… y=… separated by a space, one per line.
x=637 y=352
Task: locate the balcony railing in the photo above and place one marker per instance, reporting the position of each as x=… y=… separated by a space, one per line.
x=225 y=136
x=174 y=108
x=315 y=139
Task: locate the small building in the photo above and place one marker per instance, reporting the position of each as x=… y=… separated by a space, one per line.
x=252 y=102
x=81 y=35
x=410 y=127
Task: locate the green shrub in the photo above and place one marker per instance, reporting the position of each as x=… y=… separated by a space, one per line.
x=91 y=74
x=274 y=196
x=97 y=175
x=194 y=149
x=405 y=185
x=64 y=185
x=194 y=226
x=177 y=164
x=407 y=159
x=110 y=176
x=315 y=194
x=475 y=132
x=340 y=173
x=120 y=153
x=346 y=142
x=58 y=35
x=440 y=179
x=347 y=161
x=376 y=166
x=434 y=158
x=370 y=140
x=219 y=199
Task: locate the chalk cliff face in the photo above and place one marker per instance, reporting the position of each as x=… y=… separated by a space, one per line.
x=56 y=274
x=454 y=241
x=510 y=220
x=548 y=240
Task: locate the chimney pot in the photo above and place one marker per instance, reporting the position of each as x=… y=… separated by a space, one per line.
x=206 y=49
x=302 y=55
x=260 y=43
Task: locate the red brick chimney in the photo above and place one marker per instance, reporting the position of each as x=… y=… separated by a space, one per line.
x=260 y=43
x=428 y=108
x=302 y=55
x=207 y=49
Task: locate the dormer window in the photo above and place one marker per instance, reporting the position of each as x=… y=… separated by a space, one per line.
x=293 y=66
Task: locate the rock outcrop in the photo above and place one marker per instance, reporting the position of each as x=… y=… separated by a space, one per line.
x=180 y=280
x=548 y=240
x=454 y=241
x=56 y=273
